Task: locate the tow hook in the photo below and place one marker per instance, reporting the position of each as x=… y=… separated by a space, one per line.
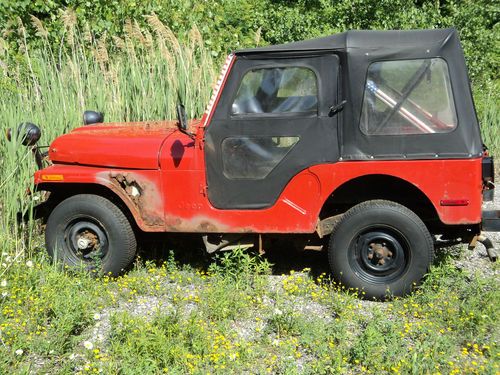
x=488 y=244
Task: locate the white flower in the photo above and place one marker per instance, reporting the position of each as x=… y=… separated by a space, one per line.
x=3 y=283
x=29 y=264
x=97 y=316
x=5 y=294
x=88 y=345
x=19 y=352
x=278 y=312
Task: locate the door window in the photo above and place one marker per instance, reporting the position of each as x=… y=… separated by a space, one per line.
x=277 y=90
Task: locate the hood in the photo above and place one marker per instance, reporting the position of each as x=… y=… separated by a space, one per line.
x=131 y=145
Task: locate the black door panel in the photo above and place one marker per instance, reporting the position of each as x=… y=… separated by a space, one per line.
x=252 y=154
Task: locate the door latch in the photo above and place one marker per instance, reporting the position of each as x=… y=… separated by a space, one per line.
x=334 y=109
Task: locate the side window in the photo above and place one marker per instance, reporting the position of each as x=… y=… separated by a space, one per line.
x=254 y=157
x=408 y=97
x=277 y=90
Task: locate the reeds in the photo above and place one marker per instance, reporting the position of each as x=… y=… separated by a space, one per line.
x=137 y=77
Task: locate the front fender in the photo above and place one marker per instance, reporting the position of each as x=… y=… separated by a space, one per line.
x=139 y=190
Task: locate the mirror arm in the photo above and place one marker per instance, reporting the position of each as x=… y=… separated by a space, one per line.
x=182 y=124
x=189 y=134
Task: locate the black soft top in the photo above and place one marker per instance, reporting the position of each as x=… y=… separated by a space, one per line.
x=366 y=40
x=356 y=51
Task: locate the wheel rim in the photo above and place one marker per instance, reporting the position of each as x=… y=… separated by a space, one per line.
x=379 y=255
x=86 y=239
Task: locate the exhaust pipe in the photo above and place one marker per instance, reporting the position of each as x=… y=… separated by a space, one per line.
x=490 y=248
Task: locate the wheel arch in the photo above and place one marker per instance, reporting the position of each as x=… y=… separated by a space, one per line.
x=60 y=192
x=380 y=186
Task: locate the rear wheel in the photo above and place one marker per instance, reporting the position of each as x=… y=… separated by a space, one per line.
x=90 y=231
x=380 y=248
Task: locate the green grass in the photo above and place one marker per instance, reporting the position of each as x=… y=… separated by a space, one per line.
x=487 y=104
x=228 y=316
x=234 y=316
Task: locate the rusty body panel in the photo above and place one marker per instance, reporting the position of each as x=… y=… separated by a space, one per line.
x=139 y=190
x=298 y=207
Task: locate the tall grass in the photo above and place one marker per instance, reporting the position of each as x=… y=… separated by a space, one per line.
x=138 y=77
x=488 y=103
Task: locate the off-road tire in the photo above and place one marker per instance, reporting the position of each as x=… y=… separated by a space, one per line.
x=395 y=228
x=88 y=213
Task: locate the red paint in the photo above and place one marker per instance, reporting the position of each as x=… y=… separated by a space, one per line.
x=116 y=145
x=169 y=168
x=148 y=212
x=182 y=202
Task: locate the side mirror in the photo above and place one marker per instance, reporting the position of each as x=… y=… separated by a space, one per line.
x=182 y=118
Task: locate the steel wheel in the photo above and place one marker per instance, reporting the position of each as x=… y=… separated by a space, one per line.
x=86 y=239
x=380 y=248
x=90 y=231
x=379 y=255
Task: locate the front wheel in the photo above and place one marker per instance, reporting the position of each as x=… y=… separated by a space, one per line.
x=380 y=248
x=90 y=231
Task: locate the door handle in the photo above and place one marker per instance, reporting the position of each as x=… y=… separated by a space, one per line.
x=334 y=109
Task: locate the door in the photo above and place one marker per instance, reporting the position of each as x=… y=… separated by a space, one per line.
x=271 y=122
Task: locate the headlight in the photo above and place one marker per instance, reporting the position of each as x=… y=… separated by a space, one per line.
x=28 y=133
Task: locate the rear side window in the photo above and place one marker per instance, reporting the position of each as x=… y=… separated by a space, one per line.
x=277 y=90
x=408 y=97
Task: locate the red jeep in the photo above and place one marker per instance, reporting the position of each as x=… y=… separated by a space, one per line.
x=369 y=138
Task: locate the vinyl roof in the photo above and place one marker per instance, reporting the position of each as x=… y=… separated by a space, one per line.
x=357 y=39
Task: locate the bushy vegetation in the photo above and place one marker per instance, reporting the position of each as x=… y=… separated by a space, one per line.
x=129 y=59
x=228 y=24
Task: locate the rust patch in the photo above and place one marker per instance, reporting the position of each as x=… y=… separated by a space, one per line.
x=201 y=224
x=380 y=252
x=142 y=193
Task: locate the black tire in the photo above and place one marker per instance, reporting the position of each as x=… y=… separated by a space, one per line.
x=90 y=231
x=380 y=248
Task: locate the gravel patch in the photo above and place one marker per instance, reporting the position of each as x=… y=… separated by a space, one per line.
x=143 y=306
x=477 y=260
